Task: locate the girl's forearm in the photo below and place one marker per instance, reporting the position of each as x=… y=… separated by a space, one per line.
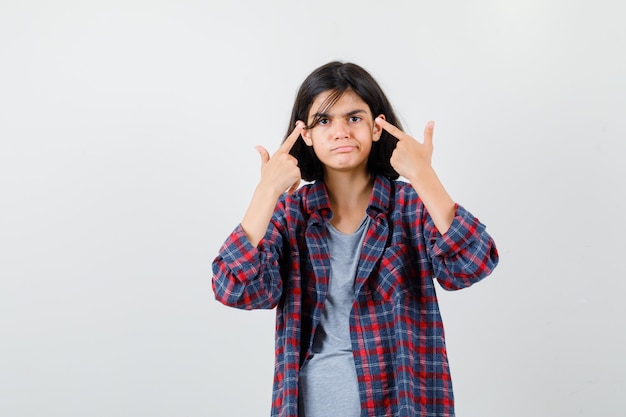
x=259 y=213
x=436 y=199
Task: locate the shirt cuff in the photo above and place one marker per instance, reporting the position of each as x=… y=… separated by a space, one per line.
x=465 y=229
x=239 y=255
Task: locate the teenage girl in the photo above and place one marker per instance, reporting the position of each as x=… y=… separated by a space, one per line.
x=348 y=260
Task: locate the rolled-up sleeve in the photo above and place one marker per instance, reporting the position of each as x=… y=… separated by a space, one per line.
x=245 y=276
x=463 y=255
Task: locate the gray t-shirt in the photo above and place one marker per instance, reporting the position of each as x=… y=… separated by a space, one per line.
x=328 y=381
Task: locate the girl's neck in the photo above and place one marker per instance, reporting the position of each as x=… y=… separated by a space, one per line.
x=349 y=196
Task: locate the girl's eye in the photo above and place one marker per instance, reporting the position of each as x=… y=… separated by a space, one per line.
x=322 y=121
x=355 y=119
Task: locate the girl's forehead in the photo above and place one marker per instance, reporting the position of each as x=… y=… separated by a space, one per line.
x=326 y=101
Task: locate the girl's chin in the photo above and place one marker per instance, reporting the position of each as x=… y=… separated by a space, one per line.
x=346 y=166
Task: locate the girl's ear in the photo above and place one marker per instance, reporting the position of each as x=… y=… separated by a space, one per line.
x=306 y=137
x=377 y=130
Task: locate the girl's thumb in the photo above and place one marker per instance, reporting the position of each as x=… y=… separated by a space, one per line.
x=265 y=156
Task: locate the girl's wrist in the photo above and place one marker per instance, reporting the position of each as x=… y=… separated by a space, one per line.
x=268 y=192
x=422 y=178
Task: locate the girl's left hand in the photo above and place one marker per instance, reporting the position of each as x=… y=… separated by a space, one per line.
x=410 y=158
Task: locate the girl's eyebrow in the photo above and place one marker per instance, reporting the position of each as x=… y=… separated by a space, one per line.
x=327 y=115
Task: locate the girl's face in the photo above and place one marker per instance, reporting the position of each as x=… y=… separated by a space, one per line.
x=342 y=138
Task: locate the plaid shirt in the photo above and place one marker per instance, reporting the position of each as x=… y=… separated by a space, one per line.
x=395 y=325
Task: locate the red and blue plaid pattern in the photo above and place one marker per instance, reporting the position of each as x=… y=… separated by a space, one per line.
x=397 y=332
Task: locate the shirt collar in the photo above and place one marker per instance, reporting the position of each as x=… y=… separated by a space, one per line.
x=380 y=194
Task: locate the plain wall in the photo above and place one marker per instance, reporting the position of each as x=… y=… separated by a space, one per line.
x=127 y=134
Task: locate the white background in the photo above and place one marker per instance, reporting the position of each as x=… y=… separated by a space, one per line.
x=127 y=134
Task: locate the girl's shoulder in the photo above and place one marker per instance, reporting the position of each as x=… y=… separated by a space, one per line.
x=402 y=186
x=310 y=198
x=394 y=191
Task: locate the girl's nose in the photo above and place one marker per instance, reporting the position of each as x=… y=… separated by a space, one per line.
x=341 y=130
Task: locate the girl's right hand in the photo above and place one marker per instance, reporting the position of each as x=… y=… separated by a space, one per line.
x=280 y=172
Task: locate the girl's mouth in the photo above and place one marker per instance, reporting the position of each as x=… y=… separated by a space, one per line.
x=343 y=149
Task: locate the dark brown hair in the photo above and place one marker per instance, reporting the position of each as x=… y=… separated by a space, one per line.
x=338 y=77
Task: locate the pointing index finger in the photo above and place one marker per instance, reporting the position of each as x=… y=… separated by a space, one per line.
x=292 y=138
x=397 y=133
